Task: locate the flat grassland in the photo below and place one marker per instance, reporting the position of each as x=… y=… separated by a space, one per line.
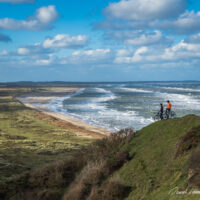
x=30 y=139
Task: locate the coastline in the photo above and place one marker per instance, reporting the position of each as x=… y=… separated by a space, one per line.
x=80 y=127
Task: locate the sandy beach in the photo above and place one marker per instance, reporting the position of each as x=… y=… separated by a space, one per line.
x=38 y=102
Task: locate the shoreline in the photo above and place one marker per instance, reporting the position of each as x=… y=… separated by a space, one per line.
x=80 y=127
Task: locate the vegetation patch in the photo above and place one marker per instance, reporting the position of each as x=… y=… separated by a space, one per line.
x=194 y=169
x=103 y=158
x=112 y=190
x=188 y=141
x=27 y=141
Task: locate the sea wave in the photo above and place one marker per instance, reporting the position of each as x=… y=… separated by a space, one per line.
x=119 y=106
x=182 y=101
x=136 y=90
x=56 y=105
x=182 y=89
x=106 y=95
x=94 y=110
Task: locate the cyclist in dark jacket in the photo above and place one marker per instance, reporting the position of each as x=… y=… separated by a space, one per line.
x=161 y=111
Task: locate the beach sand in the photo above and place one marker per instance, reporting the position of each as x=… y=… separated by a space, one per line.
x=81 y=128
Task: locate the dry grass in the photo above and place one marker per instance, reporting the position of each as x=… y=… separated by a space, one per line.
x=188 y=141
x=37 y=183
x=84 y=170
x=112 y=190
x=103 y=157
x=194 y=169
x=91 y=176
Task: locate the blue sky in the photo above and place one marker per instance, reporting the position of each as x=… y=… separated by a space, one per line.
x=93 y=40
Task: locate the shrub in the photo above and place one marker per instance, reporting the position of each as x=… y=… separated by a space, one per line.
x=42 y=182
x=194 y=169
x=86 y=169
x=103 y=157
x=91 y=176
x=188 y=141
x=112 y=190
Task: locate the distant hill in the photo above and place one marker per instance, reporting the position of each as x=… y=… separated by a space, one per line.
x=156 y=163
x=28 y=84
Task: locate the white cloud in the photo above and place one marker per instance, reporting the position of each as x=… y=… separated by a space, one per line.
x=122 y=35
x=181 y=52
x=42 y=51
x=139 y=37
x=125 y=57
x=96 y=52
x=122 y=52
x=166 y=15
x=176 y=55
x=47 y=14
x=91 y=56
x=17 y=1
x=193 y=38
x=95 y=56
x=145 y=9
x=65 y=41
x=23 y=51
x=47 y=61
x=41 y=20
x=148 y=39
x=4 y=53
x=189 y=22
x=33 y=50
x=138 y=56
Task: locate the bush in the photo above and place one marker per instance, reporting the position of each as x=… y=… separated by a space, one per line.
x=103 y=157
x=42 y=182
x=188 y=141
x=113 y=190
x=91 y=176
x=194 y=169
x=86 y=169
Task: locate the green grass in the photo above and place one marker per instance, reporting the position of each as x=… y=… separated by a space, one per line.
x=27 y=142
x=155 y=171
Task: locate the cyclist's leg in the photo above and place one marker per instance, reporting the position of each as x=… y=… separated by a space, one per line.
x=173 y=114
x=167 y=113
x=161 y=115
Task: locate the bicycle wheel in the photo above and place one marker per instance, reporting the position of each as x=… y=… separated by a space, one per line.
x=156 y=117
x=173 y=114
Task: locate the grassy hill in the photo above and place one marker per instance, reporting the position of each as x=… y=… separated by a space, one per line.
x=151 y=164
x=161 y=163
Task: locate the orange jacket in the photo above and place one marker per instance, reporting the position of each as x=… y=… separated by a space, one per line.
x=169 y=105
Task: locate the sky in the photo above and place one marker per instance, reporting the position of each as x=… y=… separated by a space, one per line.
x=94 y=40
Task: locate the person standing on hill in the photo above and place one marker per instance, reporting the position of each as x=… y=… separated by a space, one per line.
x=161 y=111
x=168 y=108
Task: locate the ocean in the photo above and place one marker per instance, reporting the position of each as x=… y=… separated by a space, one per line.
x=130 y=104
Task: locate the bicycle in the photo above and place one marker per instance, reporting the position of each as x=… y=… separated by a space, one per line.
x=170 y=114
x=165 y=115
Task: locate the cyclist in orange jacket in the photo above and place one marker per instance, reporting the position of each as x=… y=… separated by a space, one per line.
x=168 y=108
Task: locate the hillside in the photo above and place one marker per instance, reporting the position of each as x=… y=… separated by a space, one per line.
x=151 y=164
x=164 y=159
